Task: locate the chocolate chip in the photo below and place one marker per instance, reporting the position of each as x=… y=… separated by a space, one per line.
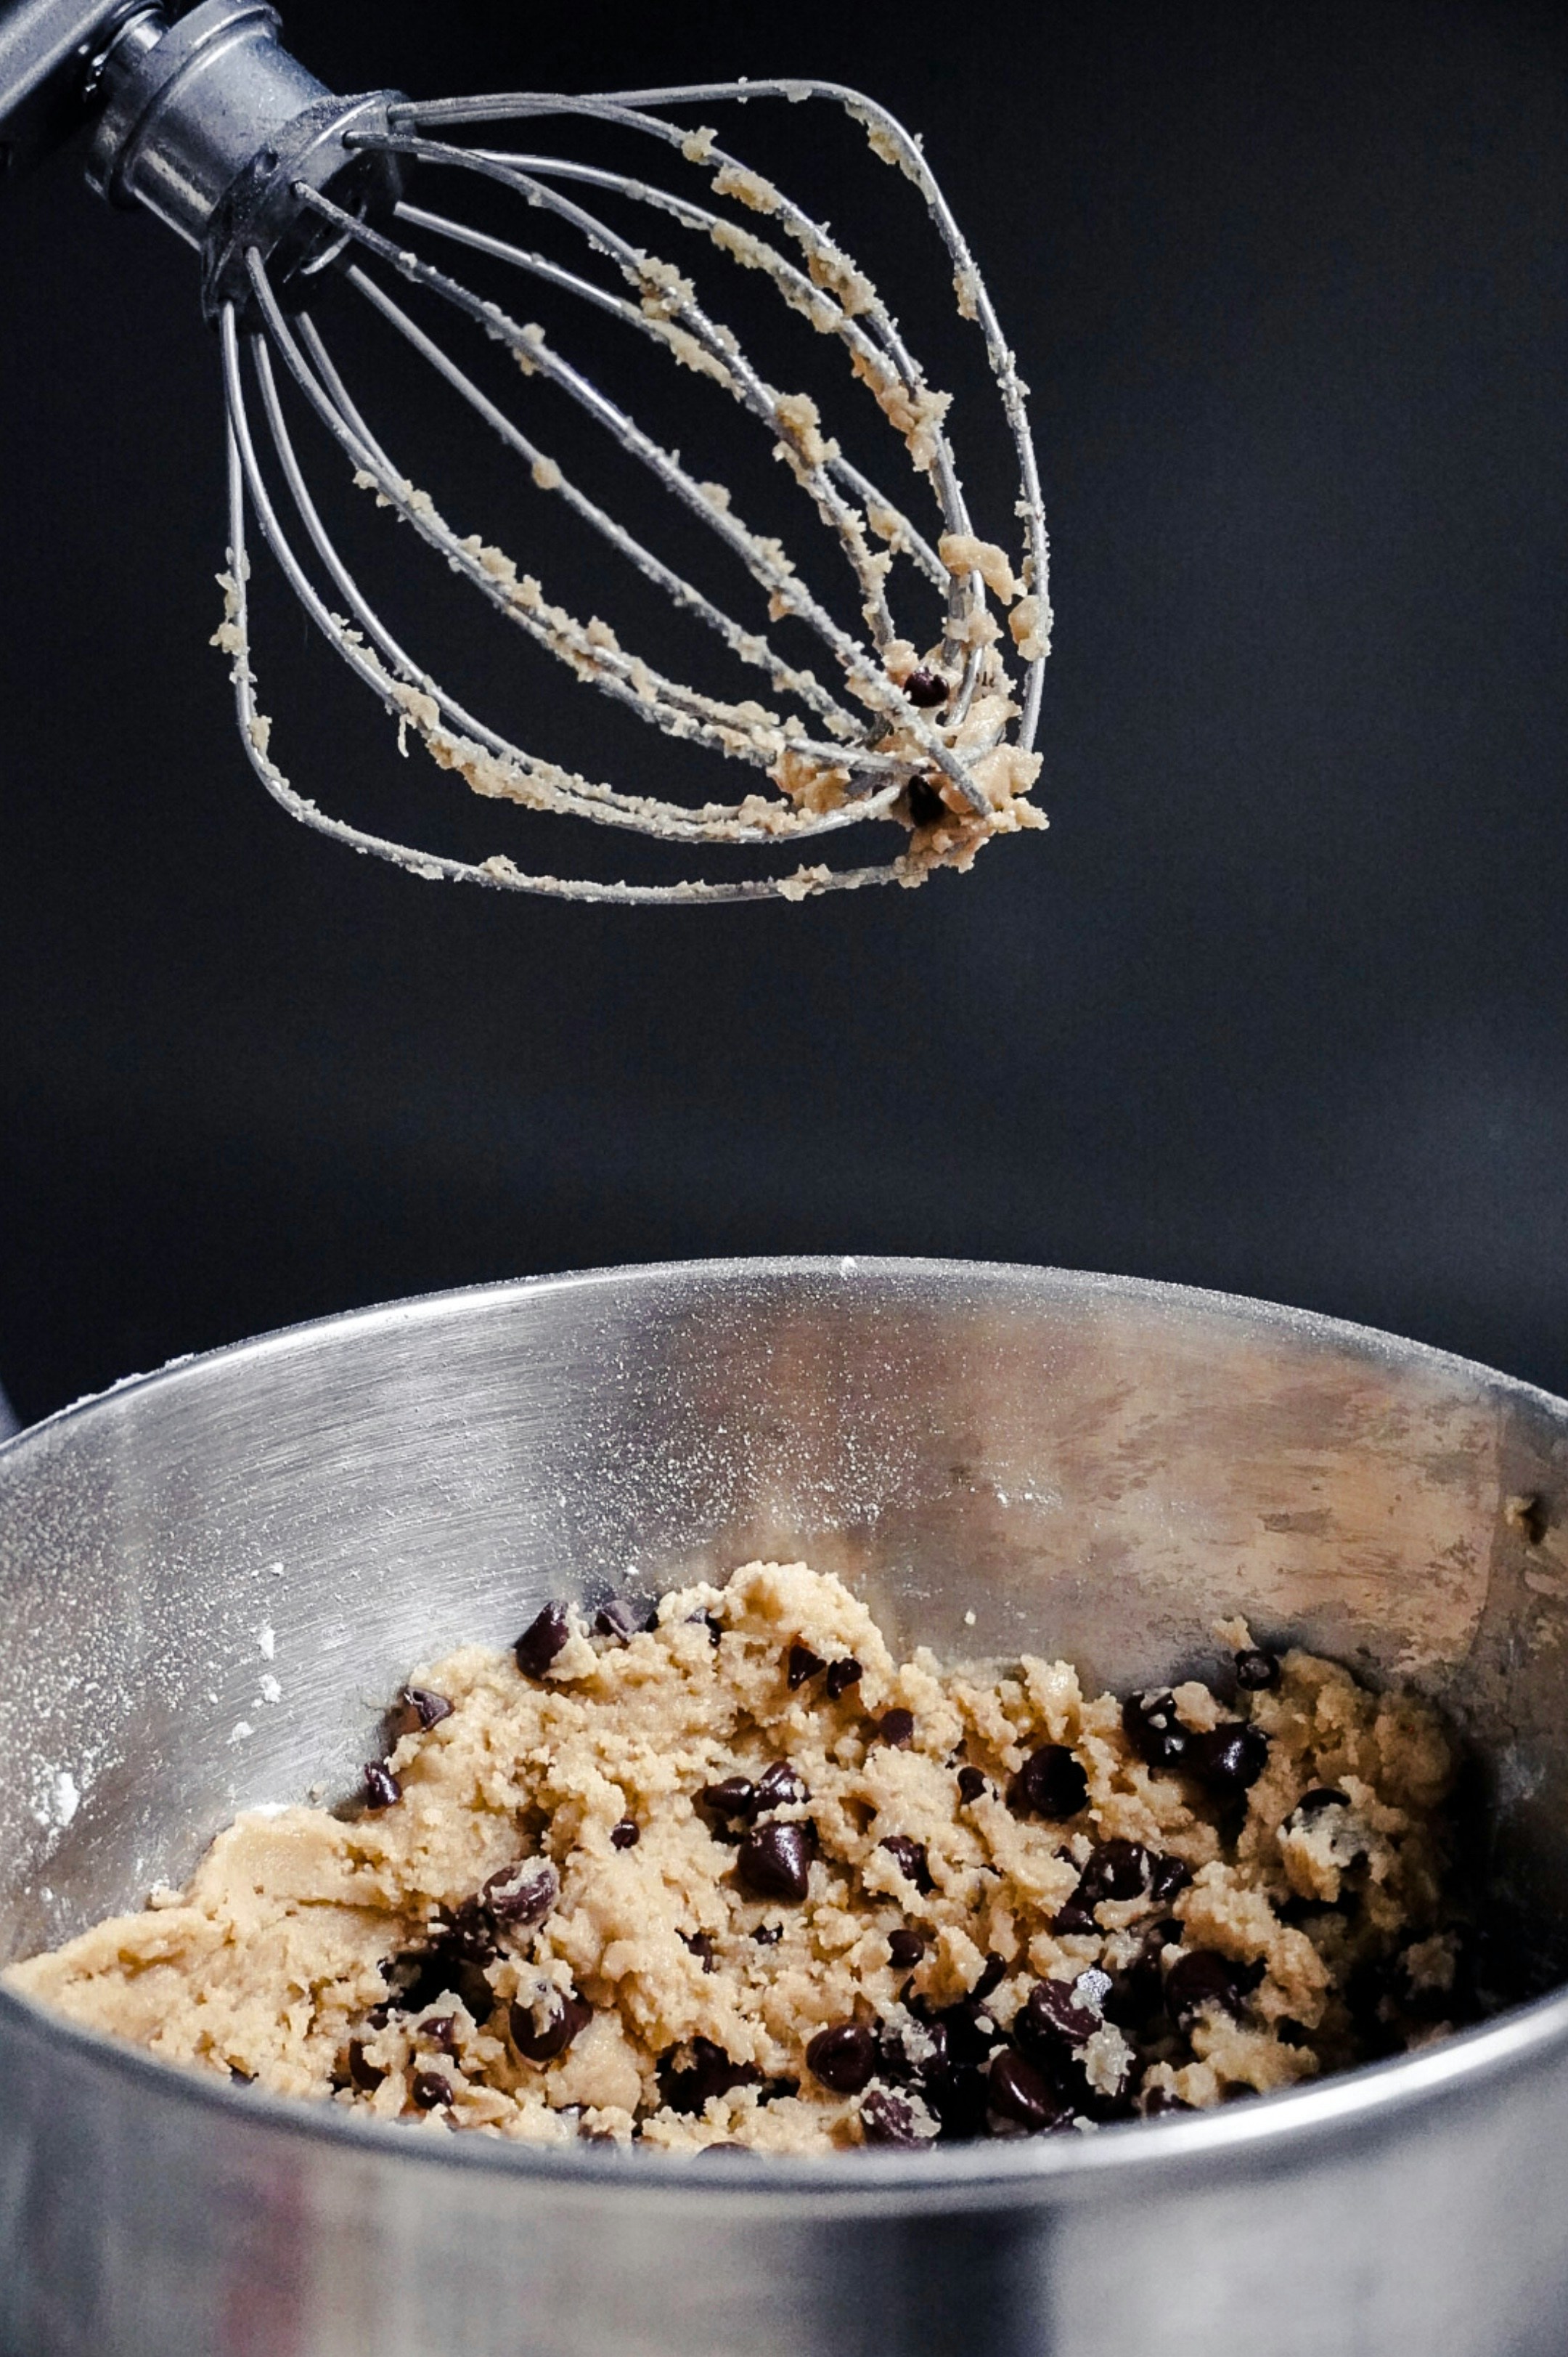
x=1019 y=2095
x=887 y=2119
x=702 y=1947
x=716 y=1626
x=381 y=1787
x=780 y=1787
x=843 y=2056
x=440 y=2030
x=896 y=1727
x=1115 y=1869
x=775 y=1861
x=803 y=1665
x=564 y=2016
x=1153 y=1728
x=993 y=1973
x=1201 y=1981
x=1159 y=2101
x=1255 y=1669
x=522 y=1895
x=1228 y=1759
x=767 y=1935
x=688 y=2087
x=1068 y=2010
x=909 y=1857
x=545 y=1637
x=730 y=1801
x=906 y=1947
x=417 y=1710
x=1321 y=1797
x=469 y=1933
x=241 y=2078
x=430 y=2090
x=363 y=2073
x=1167 y=1876
x=619 y=1617
x=421 y=1977
x=1050 y=1784
x=970 y=1784
x=926 y=688
x=842 y=1675
x=627 y=1834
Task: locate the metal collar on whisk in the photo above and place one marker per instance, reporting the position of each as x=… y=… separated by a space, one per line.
x=211 y=124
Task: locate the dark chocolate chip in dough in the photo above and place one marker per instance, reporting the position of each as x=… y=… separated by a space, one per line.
x=842 y=1675
x=843 y=2057
x=1167 y=1875
x=909 y=1857
x=1070 y=2011
x=1229 y=1758
x=1019 y=2095
x=1256 y=1669
x=716 y=1626
x=686 y=2087
x=417 y=1710
x=701 y=1947
x=767 y=1935
x=545 y=1637
x=469 y=1933
x=887 y=2119
x=926 y=688
x=619 y=1617
x=430 y=2090
x=970 y=1784
x=802 y=1664
x=1202 y=1981
x=363 y=2073
x=1115 y=1869
x=780 y=1786
x=896 y=1727
x=729 y=1803
x=926 y=805
x=381 y=1787
x=440 y=2030
x=1321 y=1797
x=1050 y=1784
x=522 y=1895
x=1158 y=2102
x=775 y=1861
x=905 y=1946
x=565 y=2015
x=1153 y=1728
x=627 y=1834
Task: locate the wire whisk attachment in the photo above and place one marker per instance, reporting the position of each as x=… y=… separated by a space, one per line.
x=927 y=726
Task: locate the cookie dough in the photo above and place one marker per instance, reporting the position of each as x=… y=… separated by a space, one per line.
x=741 y=1878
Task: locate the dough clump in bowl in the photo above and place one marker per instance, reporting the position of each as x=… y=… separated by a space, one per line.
x=728 y=1873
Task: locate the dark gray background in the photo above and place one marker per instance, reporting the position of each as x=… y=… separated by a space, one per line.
x=1276 y=1006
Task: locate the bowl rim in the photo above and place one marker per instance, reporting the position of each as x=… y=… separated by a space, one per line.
x=1251 y=2133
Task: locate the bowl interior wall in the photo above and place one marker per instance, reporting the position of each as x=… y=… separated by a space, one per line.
x=211 y=1582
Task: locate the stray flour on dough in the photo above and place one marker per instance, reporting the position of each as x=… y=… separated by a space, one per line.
x=741 y=1878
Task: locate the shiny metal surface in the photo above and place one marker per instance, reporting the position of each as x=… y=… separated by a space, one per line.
x=1092 y=1465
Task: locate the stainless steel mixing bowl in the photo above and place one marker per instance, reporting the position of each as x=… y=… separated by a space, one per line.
x=1091 y=1466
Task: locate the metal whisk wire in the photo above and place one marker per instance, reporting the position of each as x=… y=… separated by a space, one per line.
x=837 y=769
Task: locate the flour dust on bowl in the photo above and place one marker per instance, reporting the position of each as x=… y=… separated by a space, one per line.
x=212 y=1581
